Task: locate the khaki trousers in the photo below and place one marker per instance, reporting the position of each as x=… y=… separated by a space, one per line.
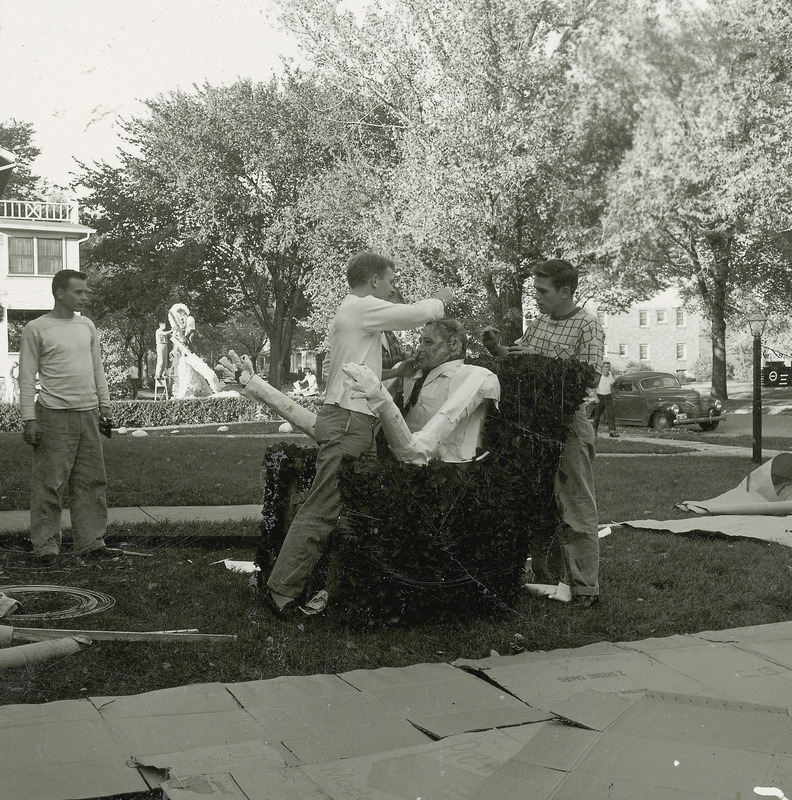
x=339 y=432
x=68 y=462
x=570 y=552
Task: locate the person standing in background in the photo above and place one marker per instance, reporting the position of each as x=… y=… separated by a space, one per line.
x=162 y=341
x=605 y=401
x=62 y=424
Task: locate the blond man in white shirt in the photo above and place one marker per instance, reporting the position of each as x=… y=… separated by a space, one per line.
x=345 y=425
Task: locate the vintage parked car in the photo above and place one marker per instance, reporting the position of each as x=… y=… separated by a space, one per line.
x=658 y=400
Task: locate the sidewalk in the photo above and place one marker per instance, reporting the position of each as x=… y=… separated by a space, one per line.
x=699 y=449
x=19 y=521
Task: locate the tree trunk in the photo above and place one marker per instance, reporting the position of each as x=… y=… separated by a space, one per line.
x=280 y=346
x=506 y=307
x=320 y=359
x=274 y=375
x=720 y=242
x=511 y=315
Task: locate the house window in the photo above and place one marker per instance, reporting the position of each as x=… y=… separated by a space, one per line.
x=681 y=351
x=680 y=317
x=29 y=255
x=643 y=319
x=662 y=316
x=623 y=350
x=602 y=318
x=50 y=256
x=20 y=255
x=643 y=352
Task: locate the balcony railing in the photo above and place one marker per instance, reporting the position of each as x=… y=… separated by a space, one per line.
x=39 y=210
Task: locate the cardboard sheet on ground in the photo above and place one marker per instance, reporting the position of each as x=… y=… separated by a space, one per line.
x=322 y=717
x=679 y=748
x=770 y=529
x=442 y=700
x=544 y=683
x=716 y=723
x=485 y=765
x=759 y=508
x=182 y=718
x=767 y=490
x=61 y=750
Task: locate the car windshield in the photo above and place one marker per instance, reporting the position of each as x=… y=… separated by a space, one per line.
x=660 y=382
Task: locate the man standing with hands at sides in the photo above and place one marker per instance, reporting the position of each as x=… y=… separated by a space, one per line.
x=562 y=330
x=605 y=401
x=344 y=425
x=62 y=424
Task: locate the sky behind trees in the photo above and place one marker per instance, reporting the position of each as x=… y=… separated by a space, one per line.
x=71 y=69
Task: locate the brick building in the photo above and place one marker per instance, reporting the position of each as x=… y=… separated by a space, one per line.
x=660 y=333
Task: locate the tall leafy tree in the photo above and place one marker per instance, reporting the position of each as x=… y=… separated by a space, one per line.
x=216 y=182
x=702 y=197
x=140 y=262
x=474 y=94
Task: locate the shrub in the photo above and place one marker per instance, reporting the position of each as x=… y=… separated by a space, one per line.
x=190 y=411
x=637 y=366
x=10 y=417
x=425 y=542
x=702 y=369
x=114 y=361
x=167 y=413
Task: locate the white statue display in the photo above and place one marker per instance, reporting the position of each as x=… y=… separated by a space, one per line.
x=192 y=376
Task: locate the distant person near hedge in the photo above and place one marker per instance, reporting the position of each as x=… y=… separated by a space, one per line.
x=345 y=425
x=62 y=424
x=562 y=330
x=604 y=405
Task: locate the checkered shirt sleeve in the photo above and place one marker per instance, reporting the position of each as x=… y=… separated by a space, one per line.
x=580 y=337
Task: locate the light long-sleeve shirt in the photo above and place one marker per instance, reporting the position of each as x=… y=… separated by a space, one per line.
x=66 y=356
x=447 y=419
x=355 y=338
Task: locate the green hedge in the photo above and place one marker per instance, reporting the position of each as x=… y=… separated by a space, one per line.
x=440 y=540
x=164 y=413
x=10 y=418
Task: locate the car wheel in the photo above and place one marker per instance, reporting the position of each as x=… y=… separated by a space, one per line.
x=660 y=421
x=709 y=426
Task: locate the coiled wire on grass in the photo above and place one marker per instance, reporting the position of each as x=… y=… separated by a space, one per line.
x=87 y=601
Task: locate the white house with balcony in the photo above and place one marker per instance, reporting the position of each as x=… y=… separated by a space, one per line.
x=37 y=239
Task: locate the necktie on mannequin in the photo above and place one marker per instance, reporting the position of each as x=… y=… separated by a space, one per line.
x=419 y=382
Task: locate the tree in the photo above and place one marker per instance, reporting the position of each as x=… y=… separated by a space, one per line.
x=473 y=95
x=17 y=137
x=224 y=168
x=702 y=195
x=140 y=264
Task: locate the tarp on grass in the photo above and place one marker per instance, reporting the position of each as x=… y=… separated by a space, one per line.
x=759 y=508
x=766 y=491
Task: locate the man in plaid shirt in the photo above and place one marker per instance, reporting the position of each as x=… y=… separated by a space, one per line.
x=562 y=330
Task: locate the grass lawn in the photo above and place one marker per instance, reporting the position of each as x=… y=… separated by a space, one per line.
x=604 y=444
x=653 y=584
x=203 y=470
